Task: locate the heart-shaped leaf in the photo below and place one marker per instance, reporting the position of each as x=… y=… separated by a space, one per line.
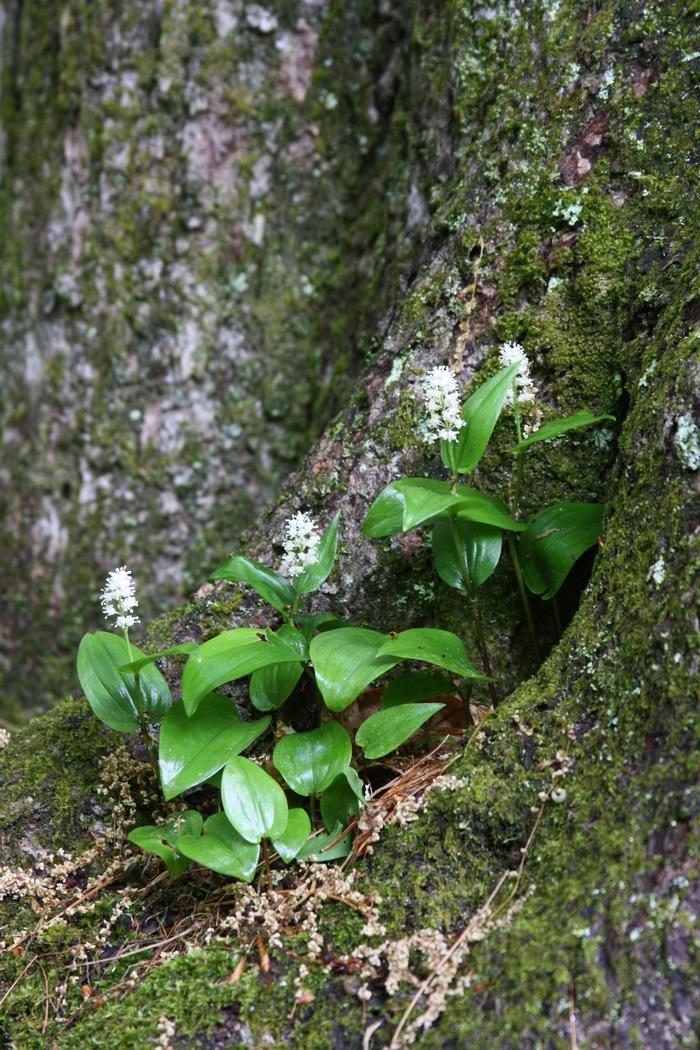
x=253 y=802
x=339 y=802
x=193 y=749
x=556 y=427
x=221 y=849
x=319 y=848
x=413 y=686
x=554 y=540
x=310 y=762
x=480 y=412
x=233 y=655
x=441 y=648
x=311 y=578
x=295 y=835
x=346 y=661
x=310 y=623
x=388 y=729
x=114 y=696
x=268 y=583
x=465 y=547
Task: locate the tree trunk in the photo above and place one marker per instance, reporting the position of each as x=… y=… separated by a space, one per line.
x=565 y=142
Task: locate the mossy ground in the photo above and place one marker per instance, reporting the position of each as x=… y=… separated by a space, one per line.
x=604 y=939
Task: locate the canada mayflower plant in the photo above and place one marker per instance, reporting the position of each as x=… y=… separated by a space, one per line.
x=305 y=799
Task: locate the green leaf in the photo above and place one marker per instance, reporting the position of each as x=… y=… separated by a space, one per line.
x=386 y=730
x=271 y=686
x=136 y=665
x=411 y=502
x=193 y=749
x=480 y=547
x=441 y=648
x=319 y=848
x=233 y=655
x=555 y=427
x=311 y=623
x=478 y=507
x=554 y=540
x=113 y=695
x=253 y=802
x=346 y=661
x=480 y=412
x=310 y=762
x=221 y=849
x=313 y=575
x=268 y=583
x=163 y=840
x=407 y=503
x=339 y=802
x=152 y=839
x=413 y=686
x=295 y=835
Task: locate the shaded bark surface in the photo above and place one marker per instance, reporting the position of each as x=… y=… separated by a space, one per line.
x=189 y=284
x=536 y=112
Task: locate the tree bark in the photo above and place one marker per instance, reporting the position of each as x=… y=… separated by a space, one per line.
x=564 y=141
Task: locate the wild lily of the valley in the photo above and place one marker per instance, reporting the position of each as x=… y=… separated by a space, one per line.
x=302 y=803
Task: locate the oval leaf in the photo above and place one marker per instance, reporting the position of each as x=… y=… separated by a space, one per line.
x=268 y=583
x=555 y=539
x=271 y=686
x=253 y=802
x=295 y=835
x=480 y=412
x=310 y=762
x=465 y=546
x=233 y=655
x=386 y=730
x=114 y=696
x=221 y=849
x=407 y=503
x=441 y=648
x=314 y=575
x=555 y=427
x=346 y=661
x=193 y=749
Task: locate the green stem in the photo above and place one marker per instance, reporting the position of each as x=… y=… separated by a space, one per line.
x=314 y=814
x=557 y=618
x=143 y=722
x=523 y=597
x=520 y=467
x=478 y=624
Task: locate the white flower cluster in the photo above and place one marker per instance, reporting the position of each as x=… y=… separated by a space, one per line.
x=443 y=416
x=513 y=354
x=118 y=597
x=300 y=544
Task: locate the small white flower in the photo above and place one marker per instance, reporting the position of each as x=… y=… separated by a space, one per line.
x=300 y=544
x=443 y=415
x=118 y=597
x=513 y=354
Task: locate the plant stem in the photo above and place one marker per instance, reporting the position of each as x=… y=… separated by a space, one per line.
x=557 y=618
x=478 y=624
x=523 y=596
x=314 y=814
x=143 y=722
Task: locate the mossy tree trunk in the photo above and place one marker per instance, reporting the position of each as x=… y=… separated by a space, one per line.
x=566 y=140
